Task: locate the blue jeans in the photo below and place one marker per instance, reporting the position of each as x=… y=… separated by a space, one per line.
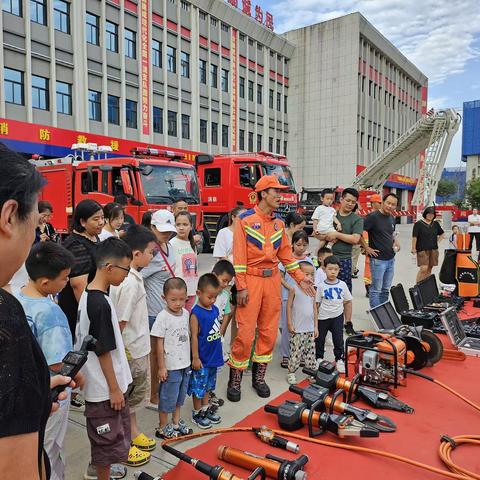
x=382 y=277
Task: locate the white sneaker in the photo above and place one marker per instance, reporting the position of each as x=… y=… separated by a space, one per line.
x=340 y=365
x=291 y=379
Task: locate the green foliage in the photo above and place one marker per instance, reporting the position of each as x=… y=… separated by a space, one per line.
x=446 y=188
x=472 y=192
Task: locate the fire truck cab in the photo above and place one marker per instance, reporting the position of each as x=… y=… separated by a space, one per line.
x=228 y=181
x=152 y=179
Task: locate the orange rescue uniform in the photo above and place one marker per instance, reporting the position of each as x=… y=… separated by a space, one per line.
x=259 y=243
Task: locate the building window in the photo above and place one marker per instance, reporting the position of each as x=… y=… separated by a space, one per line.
x=270 y=144
x=225 y=136
x=156 y=53
x=202 y=67
x=171 y=59
x=203 y=131
x=242 y=87
x=185 y=126
x=259 y=143
x=270 y=98
x=225 y=27
x=113 y=110
x=38 y=11
x=13 y=85
x=213 y=75
x=158 y=120
x=185 y=6
x=13 y=6
x=285 y=147
x=61 y=11
x=130 y=43
x=250 y=42
x=250 y=141
x=213 y=21
x=92 y=29
x=241 y=36
x=64 y=98
x=131 y=113
x=285 y=100
x=278 y=145
x=250 y=90
x=94 y=105
x=111 y=36
x=224 y=80
x=259 y=94
x=279 y=101
x=40 y=95
x=214 y=133
x=172 y=123
x=202 y=15
x=241 y=139
x=185 y=64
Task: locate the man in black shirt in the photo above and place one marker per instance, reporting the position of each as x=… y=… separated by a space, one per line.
x=382 y=247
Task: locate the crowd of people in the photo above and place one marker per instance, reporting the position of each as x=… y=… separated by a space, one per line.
x=163 y=330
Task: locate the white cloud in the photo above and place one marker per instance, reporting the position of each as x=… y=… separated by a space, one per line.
x=436 y=35
x=439 y=102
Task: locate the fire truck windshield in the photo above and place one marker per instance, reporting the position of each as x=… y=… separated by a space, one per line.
x=166 y=184
x=282 y=172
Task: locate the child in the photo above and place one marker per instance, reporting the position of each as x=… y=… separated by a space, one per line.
x=320 y=274
x=453 y=239
x=113 y=213
x=207 y=353
x=186 y=255
x=302 y=325
x=171 y=329
x=299 y=249
x=107 y=375
x=325 y=216
x=48 y=267
x=334 y=304
x=130 y=303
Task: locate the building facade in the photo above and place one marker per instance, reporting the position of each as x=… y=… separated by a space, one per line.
x=352 y=94
x=201 y=76
x=471 y=138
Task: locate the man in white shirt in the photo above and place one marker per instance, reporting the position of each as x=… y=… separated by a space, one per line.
x=474 y=229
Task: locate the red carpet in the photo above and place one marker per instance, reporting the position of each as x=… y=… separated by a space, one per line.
x=437 y=412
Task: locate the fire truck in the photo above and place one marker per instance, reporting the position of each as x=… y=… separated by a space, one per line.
x=151 y=179
x=228 y=181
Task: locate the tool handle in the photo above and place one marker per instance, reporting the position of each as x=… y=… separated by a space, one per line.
x=309 y=371
x=296 y=389
x=271 y=409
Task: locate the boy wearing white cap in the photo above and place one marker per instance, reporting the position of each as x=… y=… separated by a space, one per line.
x=160 y=269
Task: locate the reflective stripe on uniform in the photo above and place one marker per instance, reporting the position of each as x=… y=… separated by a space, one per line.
x=255 y=234
x=236 y=364
x=240 y=268
x=262 y=358
x=291 y=266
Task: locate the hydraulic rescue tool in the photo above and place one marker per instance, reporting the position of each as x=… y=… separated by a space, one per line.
x=267 y=436
x=215 y=472
x=274 y=467
x=316 y=395
x=294 y=415
x=327 y=376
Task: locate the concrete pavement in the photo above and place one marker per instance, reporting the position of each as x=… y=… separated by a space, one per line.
x=77 y=445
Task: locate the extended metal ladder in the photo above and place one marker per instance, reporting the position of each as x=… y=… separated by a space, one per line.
x=434 y=132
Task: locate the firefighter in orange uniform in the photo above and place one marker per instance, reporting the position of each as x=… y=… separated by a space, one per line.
x=259 y=243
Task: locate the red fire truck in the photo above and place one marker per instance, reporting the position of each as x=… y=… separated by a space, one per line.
x=228 y=181
x=151 y=179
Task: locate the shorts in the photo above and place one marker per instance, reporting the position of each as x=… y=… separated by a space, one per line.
x=151 y=320
x=324 y=230
x=173 y=391
x=140 y=386
x=108 y=431
x=427 y=258
x=202 y=381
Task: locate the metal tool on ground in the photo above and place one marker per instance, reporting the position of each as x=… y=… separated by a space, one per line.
x=275 y=467
x=327 y=376
x=295 y=415
x=213 y=472
x=316 y=395
x=73 y=362
x=267 y=436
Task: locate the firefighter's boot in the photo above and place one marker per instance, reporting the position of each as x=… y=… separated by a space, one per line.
x=258 y=379
x=234 y=384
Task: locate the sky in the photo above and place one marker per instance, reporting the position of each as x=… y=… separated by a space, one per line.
x=441 y=37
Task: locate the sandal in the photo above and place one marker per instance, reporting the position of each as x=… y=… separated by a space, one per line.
x=144 y=443
x=137 y=457
x=166 y=432
x=284 y=363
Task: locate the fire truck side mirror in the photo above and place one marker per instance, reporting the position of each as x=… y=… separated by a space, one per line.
x=203 y=159
x=126 y=182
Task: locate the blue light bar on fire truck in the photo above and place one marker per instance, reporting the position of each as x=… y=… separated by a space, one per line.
x=155 y=152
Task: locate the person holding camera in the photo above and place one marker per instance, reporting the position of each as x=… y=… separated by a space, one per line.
x=45 y=231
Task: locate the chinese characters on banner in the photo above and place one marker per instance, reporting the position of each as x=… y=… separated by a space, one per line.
x=265 y=18
x=145 y=74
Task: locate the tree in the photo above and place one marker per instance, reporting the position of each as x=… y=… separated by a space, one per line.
x=446 y=188
x=473 y=192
